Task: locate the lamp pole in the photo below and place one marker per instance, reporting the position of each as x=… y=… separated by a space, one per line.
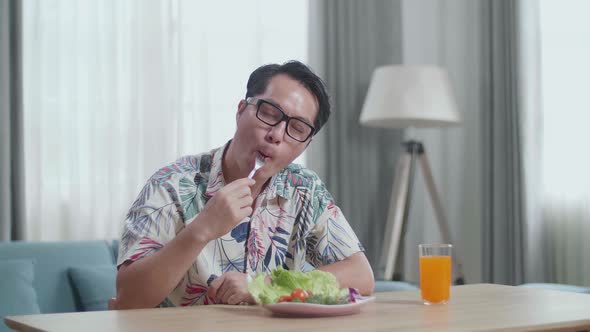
x=399 y=208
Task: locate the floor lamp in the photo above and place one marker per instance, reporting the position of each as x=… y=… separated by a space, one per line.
x=401 y=97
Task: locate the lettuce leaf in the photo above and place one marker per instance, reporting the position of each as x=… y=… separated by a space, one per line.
x=323 y=285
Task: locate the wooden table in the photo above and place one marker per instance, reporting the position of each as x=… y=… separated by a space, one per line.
x=481 y=307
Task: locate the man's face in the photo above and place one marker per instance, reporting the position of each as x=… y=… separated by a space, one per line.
x=254 y=137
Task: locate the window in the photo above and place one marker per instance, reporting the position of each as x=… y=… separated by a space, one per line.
x=113 y=90
x=565 y=51
x=566 y=107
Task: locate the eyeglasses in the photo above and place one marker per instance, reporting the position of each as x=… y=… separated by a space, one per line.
x=272 y=115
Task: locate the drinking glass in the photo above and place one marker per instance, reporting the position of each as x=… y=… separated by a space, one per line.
x=435 y=273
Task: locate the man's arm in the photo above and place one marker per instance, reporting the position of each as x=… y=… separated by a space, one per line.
x=353 y=271
x=148 y=281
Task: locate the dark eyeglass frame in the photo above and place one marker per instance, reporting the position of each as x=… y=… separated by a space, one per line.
x=284 y=117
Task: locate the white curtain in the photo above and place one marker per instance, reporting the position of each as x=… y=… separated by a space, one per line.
x=566 y=110
x=531 y=107
x=113 y=90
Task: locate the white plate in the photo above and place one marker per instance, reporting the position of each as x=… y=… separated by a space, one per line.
x=299 y=309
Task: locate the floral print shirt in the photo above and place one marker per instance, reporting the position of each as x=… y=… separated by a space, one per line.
x=295 y=221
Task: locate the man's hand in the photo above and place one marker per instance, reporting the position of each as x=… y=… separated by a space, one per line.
x=231 y=288
x=227 y=208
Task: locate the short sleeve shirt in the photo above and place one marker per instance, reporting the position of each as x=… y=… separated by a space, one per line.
x=295 y=221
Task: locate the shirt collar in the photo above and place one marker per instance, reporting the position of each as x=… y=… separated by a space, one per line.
x=216 y=179
x=279 y=185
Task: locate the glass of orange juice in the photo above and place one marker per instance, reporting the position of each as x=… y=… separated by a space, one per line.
x=435 y=273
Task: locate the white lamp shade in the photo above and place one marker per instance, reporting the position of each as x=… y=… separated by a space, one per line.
x=409 y=96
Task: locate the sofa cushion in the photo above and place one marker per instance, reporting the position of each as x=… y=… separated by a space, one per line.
x=52 y=261
x=93 y=285
x=18 y=295
x=390 y=286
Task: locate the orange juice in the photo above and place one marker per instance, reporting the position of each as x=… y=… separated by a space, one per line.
x=435 y=278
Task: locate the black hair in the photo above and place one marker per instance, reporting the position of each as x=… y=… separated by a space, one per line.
x=298 y=71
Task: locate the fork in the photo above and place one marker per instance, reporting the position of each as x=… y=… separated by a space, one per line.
x=257 y=164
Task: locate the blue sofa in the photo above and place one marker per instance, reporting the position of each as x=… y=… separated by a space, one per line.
x=51 y=277
x=558 y=287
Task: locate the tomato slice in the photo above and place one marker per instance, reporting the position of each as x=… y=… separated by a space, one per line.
x=299 y=294
x=285 y=298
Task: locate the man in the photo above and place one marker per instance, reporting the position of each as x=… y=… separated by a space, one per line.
x=201 y=228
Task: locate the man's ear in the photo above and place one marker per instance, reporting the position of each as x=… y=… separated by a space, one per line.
x=241 y=108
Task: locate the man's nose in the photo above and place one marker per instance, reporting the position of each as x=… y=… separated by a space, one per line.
x=277 y=133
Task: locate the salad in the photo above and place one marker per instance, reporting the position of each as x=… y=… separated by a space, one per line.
x=293 y=286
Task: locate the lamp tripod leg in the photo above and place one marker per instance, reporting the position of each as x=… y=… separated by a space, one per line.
x=441 y=218
x=395 y=216
x=413 y=149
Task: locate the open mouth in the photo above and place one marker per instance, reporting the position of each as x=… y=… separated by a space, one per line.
x=263 y=155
